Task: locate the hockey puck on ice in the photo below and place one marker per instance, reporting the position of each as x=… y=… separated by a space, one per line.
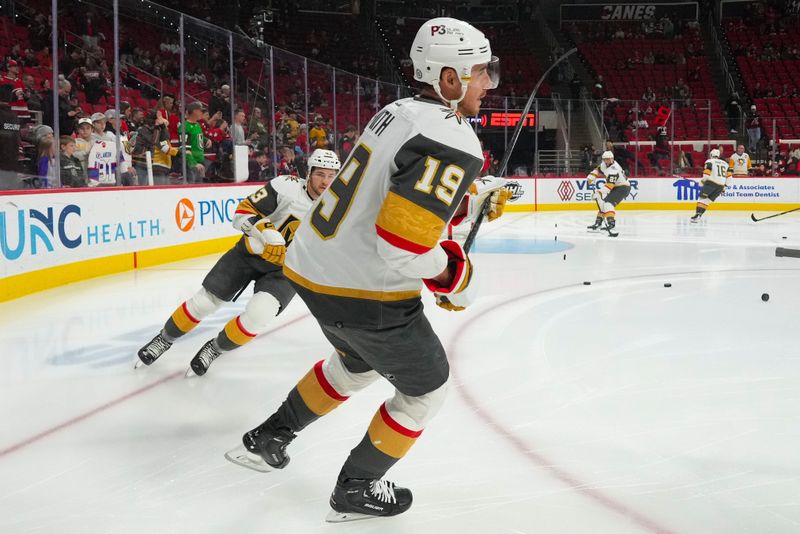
x=667 y=284
x=784 y=237
x=565 y=257
x=587 y=283
x=765 y=297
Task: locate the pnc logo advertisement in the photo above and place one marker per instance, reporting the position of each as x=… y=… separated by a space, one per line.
x=184 y=214
x=190 y=215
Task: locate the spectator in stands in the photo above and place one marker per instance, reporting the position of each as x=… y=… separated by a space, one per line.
x=660 y=150
x=84 y=142
x=12 y=78
x=623 y=156
x=649 y=95
x=259 y=168
x=318 y=136
x=72 y=171
x=294 y=128
x=197 y=143
x=47 y=166
x=588 y=158
x=289 y=164
x=31 y=94
x=136 y=119
x=88 y=30
x=753 y=128
x=99 y=132
x=167 y=109
x=347 y=142
x=238 y=128
x=257 y=128
x=153 y=136
x=9 y=140
x=302 y=139
x=734 y=112
x=67 y=113
x=221 y=101
x=125 y=110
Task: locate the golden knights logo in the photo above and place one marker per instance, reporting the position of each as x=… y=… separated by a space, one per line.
x=449 y=114
x=288 y=228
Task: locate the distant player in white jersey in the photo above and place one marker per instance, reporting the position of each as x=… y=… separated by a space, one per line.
x=716 y=176
x=740 y=163
x=268 y=220
x=362 y=256
x=615 y=189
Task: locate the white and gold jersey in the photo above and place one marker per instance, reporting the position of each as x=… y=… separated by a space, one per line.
x=740 y=164
x=284 y=200
x=613 y=175
x=359 y=256
x=716 y=170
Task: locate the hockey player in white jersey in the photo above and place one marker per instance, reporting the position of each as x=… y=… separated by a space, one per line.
x=361 y=258
x=268 y=220
x=615 y=189
x=716 y=176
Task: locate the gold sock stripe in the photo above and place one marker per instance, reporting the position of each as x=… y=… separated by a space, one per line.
x=389 y=436
x=236 y=332
x=318 y=394
x=183 y=319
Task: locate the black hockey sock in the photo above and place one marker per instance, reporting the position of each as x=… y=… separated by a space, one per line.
x=180 y=322
x=309 y=400
x=700 y=209
x=233 y=335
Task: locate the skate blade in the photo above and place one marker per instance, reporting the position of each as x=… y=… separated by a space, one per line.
x=243 y=457
x=138 y=363
x=345 y=517
x=189 y=373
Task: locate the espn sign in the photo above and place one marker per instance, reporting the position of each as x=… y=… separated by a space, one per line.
x=510 y=119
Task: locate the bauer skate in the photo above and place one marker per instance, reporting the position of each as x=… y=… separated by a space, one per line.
x=263 y=448
x=356 y=499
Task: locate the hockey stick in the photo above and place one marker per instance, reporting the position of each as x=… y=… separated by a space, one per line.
x=787 y=252
x=753 y=217
x=507 y=156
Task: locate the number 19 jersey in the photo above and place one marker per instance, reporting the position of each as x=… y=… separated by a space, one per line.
x=359 y=255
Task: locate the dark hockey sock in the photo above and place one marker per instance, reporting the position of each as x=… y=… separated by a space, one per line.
x=234 y=335
x=385 y=442
x=309 y=400
x=701 y=209
x=181 y=322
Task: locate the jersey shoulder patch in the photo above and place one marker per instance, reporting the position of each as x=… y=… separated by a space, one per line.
x=288 y=185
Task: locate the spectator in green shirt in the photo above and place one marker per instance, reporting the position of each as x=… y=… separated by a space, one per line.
x=195 y=143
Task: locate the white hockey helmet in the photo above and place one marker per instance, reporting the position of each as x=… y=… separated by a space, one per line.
x=447 y=42
x=714 y=153
x=325 y=159
x=607 y=155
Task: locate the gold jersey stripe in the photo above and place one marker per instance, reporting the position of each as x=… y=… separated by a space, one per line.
x=403 y=218
x=347 y=292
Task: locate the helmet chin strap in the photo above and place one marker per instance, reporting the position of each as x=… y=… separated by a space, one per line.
x=452 y=104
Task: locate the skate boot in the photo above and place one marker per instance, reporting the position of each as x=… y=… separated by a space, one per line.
x=696 y=218
x=357 y=498
x=597 y=224
x=202 y=360
x=151 y=352
x=263 y=448
x=611 y=222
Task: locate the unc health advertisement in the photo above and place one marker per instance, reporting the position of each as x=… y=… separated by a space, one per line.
x=46 y=229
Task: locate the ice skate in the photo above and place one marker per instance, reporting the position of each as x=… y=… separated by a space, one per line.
x=356 y=499
x=202 y=360
x=263 y=448
x=152 y=351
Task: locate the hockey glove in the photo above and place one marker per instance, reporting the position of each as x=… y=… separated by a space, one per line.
x=488 y=186
x=458 y=294
x=265 y=241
